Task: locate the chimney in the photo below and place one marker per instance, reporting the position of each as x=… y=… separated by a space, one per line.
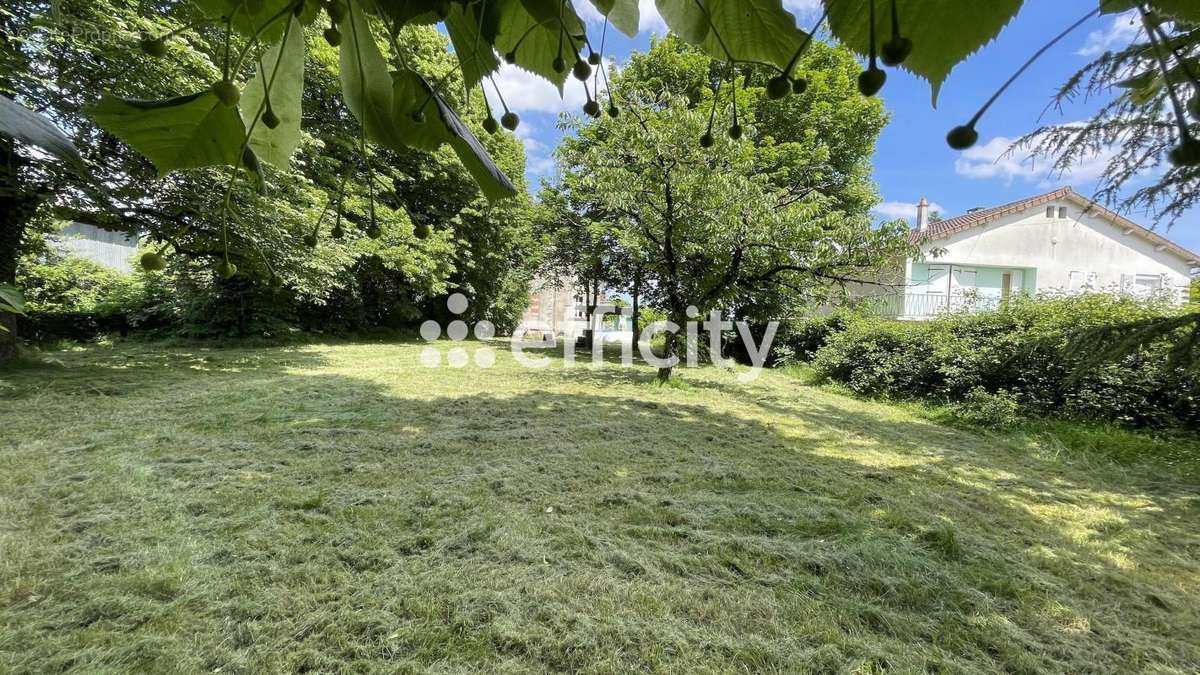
x=923 y=215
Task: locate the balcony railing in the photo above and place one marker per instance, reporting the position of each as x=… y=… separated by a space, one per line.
x=928 y=305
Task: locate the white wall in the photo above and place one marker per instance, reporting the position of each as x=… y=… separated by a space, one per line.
x=111 y=249
x=1056 y=247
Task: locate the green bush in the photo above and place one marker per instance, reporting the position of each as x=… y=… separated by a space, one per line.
x=988 y=410
x=1026 y=349
x=70 y=297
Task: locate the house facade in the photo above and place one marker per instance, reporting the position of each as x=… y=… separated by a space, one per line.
x=1058 y=241
x=115 y=250
x=558 y=307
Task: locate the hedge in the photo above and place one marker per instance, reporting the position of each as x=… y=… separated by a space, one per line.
x=1025 y=351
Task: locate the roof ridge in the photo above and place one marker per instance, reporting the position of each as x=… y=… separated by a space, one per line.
x=968 y=220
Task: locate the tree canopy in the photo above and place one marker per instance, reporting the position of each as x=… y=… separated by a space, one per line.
x=770 y=211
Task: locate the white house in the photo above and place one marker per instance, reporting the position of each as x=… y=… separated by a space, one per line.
x=115 y=250
x=1058 y=241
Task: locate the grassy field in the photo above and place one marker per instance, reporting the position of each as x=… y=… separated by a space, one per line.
x=341 y=508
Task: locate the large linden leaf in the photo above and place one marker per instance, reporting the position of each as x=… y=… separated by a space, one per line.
x=29 y=127
x=624 y=14
x=282 y=67
x=249 y=16
x=366 y=84
x=187 y=132
x=686 y=18
x=753 y=30
x=492 y=181
x=532 y=30
x=474 y=51
x=410 y=94
x=943 y=32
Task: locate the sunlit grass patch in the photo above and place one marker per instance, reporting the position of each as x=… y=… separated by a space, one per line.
x=341 y=508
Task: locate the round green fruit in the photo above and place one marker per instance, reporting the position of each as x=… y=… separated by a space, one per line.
x=594 y=59
x=227 y=92
x=707 y=140
x=1186 y=153
x=418 y=116
x=156 y=47
x=778 y=87
x=226 y=269
x=961 y=138
x=336 y=10
x=896 y=51
x=491 y=126
x=374 y=232
x=153 y=262
x=613 y=111
x=582 y=71
x=799 y=85
x=421 y=231
x=871 y=81
x=337 y=232
x=510 y=121
x=559 y=65
x=310 y=240
x=735 y=132
x=591 y=109
x=270 y=120
x=333 y=36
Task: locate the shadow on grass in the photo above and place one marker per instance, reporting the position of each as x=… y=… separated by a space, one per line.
x=226 y=511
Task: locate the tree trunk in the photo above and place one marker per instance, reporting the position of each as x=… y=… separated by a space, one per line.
x=17 y=208
x=672 y=348
x=637 y=294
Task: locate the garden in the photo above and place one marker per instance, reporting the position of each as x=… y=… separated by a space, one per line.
x=328 y=343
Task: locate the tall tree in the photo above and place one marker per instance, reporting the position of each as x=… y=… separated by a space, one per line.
x=719 y=202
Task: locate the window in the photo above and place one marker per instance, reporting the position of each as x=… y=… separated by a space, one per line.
x=1049 y=211
x=1062 y=212
x=1075 y=282
x=1147 y=283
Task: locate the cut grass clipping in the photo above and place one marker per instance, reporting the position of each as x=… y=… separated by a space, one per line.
x=341 y=508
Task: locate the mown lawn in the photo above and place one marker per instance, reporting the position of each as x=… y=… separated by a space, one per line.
x=341 y=508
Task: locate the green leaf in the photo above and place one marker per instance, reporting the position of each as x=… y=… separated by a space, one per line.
x=492 y=181
x=366 y=84
x=268 y=15
x=685 y=18
x=403 y=12
x=411 y=93
x=11 y=300
x=283 y=68
x=533 y=30
x=754 y=30
x=187 y=132
x=29 y=127
x=760 y=31
x=474 y=51
x=623 y=14
x=943 y=32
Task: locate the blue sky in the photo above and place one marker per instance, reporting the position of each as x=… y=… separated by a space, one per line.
x=912 y=159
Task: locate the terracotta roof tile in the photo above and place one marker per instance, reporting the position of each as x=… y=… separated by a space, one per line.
x=948 y=227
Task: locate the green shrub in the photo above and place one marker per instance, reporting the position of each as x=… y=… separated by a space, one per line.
x=987 y=410
x=1026 y=349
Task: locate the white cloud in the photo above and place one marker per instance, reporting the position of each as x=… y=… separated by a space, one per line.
x=528 y=93
x=905 y=210
x=1122 y=30
x=997 y=160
